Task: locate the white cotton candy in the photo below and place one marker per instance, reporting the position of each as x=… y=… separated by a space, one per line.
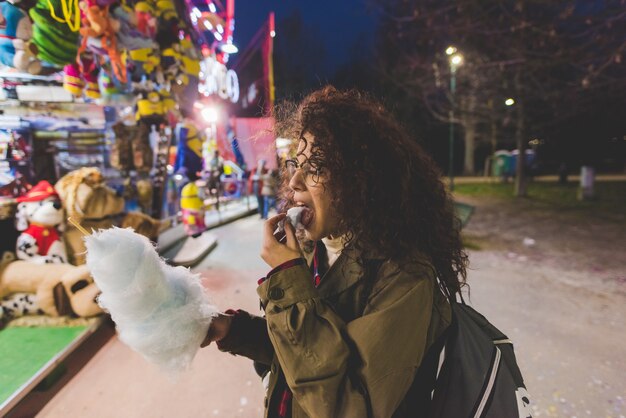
x=160 y=311
x=294 y=215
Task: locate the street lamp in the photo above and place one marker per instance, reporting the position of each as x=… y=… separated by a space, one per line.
x=509 y=102
x=455 y=60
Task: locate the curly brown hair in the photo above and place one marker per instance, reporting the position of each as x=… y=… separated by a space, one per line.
x=386 y=190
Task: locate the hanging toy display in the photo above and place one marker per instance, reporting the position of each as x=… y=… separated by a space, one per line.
x=99 y=35
x=150 y=109
x=142 y=62
x=129 y=37
x=56 y=37
x=81 y=77
x=168 y=25
x=181 y=67
x=162 y=312
x=108 y=84
x=145 y=15
x=16 y=48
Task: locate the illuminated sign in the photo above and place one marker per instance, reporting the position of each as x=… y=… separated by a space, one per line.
x=215 y=78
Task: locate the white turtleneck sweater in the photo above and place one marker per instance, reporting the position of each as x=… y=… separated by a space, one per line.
x=333 y=248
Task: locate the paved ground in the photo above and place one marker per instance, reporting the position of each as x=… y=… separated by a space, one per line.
x=561 y=303
x=556 y=283
x=118 y=383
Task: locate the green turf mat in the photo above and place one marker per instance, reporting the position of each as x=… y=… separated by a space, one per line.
x=24 y=351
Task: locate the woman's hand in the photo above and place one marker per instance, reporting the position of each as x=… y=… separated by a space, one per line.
x=219 y=328
x=273 y=252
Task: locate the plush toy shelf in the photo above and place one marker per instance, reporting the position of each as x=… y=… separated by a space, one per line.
x=30 y=355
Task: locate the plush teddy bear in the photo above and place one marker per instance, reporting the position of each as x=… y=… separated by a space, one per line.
x=90 y=202
x=16 y=32
x=51 y=289
x=39 y=213
x=94 y=205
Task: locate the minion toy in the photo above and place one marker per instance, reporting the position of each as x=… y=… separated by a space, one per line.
x=192 y=209
x=150 y=109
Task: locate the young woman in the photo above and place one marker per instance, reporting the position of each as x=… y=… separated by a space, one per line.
x=356 y=309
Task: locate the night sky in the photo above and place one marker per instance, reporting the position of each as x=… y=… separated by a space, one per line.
x=341 y=24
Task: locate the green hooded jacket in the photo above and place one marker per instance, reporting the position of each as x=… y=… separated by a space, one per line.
x=350 y=347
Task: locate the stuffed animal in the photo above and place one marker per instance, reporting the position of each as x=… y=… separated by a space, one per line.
x=180 y=64
x=52 y=289
x=145 y=195
x=56 y=40
x=150 y=109
x=190 y=141
x=16 y=32
x=88 y=200
x=145 y=225
x=192 y=210
x=143 y=156
x=94 y=205
x=82 y=77
x=142 y=62
x=169 y=25
x=39 y=213
x=129 y=37
x=145 y=16
x=24 y=5
x=122 y=150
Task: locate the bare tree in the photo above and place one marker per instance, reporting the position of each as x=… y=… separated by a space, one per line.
x=556 y=60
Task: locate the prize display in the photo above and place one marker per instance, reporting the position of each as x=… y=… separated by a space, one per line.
x=118 y=146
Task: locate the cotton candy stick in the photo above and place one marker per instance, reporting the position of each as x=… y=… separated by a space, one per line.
x=160 y=311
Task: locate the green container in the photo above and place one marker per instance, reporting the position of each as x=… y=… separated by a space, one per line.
x=502 y=164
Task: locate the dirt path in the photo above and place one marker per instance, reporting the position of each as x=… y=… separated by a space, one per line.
x=589 y=251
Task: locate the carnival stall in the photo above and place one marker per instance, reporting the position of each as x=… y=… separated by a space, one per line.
x=105 y=118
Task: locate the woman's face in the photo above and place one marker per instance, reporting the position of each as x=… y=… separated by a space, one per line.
x=311 y=190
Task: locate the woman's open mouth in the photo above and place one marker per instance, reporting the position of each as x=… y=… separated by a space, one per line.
x=307 y=217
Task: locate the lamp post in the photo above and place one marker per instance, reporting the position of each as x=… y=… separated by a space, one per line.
x=455 y=60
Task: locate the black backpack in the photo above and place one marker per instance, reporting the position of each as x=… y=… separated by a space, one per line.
x=479 y=376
